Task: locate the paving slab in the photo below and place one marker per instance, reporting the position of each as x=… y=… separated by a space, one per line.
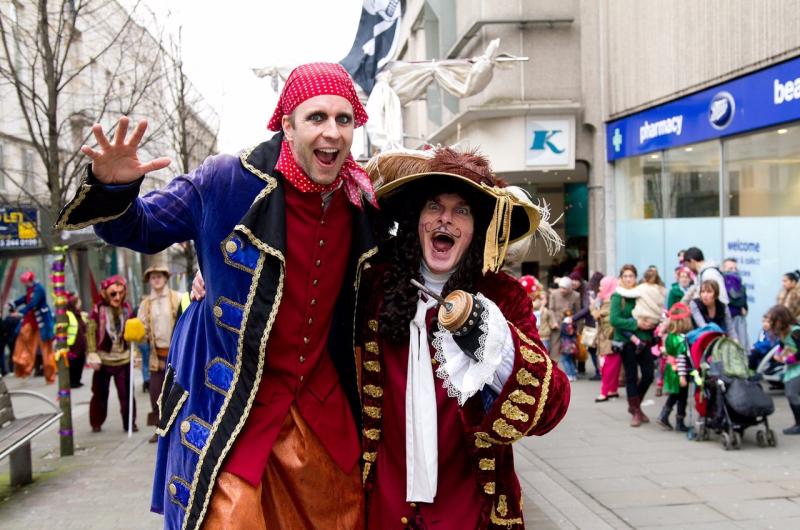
x=757 y=508
x=646 y=497
x=677 y=516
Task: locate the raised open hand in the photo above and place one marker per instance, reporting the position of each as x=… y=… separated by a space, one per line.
x=118 y=163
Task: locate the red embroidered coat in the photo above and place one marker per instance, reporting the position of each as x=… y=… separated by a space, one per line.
x=477 y=486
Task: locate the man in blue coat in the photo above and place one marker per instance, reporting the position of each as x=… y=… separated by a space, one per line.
x=260 y=410
x=36 y=331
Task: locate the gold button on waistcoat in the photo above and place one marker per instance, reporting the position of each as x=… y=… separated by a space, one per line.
x=230 y=247
x=173 y=489
x=318 y=263
x=302 y=359
x=322 y=242
x=185 y=426
x=313 y=302
x=217 y=311
x=315 y=283
x=310 y=321
x=305 y=340
x=404 y=520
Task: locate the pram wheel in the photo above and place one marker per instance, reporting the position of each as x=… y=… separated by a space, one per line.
x=737 y=440
x=761 y=439
x=771 y=440
x=726 y=440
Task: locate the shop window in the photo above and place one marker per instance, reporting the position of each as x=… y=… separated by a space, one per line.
x=638 y=187
x=763 y=173
x=692 y=180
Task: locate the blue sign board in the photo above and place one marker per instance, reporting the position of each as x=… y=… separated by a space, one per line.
x=764 y=98
x=19 y=227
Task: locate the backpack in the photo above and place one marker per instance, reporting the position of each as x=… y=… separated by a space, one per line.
x=731 y=357
x=737 y=292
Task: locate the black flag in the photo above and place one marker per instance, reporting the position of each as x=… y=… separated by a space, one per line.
x=375 y=42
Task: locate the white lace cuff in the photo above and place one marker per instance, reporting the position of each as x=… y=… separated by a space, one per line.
x=463 y=376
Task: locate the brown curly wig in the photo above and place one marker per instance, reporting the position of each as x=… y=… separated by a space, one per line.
x=403 y=251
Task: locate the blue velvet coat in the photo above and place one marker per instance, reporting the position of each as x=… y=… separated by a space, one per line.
x=233 y=209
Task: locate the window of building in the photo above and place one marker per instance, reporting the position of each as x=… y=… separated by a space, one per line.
x=27 y=170
x=638 y=185
x=3 y=169
x=762 y=172
x=691 y=180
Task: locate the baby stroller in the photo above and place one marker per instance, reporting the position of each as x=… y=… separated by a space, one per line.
x=728 y=400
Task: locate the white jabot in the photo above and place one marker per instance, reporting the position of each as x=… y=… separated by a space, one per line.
x=422 y=457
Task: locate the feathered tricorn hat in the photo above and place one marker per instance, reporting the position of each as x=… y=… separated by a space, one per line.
x=511 y=216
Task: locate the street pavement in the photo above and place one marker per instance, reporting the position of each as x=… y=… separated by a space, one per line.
x=593 y=471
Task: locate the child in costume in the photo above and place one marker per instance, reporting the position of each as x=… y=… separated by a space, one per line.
x=569 y=345
x=676 y=365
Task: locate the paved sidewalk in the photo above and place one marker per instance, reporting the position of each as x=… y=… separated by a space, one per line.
x=106 y=485
x=594 y=471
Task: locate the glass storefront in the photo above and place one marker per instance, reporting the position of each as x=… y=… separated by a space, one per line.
x=734 y=197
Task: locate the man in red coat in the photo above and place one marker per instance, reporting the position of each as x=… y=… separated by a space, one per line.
x=443 y=398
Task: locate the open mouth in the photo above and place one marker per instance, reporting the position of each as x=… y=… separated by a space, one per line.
x=442 y=242
x=326 y=157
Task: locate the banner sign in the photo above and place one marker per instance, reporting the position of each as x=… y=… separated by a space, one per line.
x=761 y=99
x=19 y=227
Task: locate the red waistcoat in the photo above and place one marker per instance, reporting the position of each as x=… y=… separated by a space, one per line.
x=458 y=499
x=298 y=368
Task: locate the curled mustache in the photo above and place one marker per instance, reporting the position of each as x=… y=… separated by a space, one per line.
x=441 y=228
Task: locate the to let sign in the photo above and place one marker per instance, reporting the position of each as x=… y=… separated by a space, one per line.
x=19 y=227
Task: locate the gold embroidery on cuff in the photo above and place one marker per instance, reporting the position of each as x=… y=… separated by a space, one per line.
x=543 y=398
x=372 y=366
x=524 y=377
x=513 y=412
x=531 y=356
x=480 y=443
x=502 y=506
x=486 y=464
x=489 y=488
x=518 y=396
x=373 y=325
x=372 y=347
x=372 y=412
x=504 y=429
x=370 y=457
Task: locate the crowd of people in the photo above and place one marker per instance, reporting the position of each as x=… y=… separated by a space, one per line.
x=634 y=330
x=96 y=339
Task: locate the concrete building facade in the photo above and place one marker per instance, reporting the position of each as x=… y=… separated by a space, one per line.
x=600 y=63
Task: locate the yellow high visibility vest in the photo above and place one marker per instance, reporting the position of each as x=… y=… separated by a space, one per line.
x=72 y=328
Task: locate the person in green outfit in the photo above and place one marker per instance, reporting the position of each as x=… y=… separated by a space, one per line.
x=631 y=338
x=677 y=291
x=783 y=325
x=676 y=367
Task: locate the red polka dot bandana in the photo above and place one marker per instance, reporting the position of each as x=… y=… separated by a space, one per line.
x=354 y=179
x=316 y=79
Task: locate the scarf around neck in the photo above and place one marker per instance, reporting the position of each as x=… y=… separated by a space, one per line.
x=351 y=177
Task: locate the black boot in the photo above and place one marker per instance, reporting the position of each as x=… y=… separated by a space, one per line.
x=796 y=428
x=663 y=418
x=679 y=425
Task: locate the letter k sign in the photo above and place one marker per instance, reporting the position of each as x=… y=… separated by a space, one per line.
x=541 y=141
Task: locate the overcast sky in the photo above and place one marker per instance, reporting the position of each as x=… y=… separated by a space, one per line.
x=224 y=40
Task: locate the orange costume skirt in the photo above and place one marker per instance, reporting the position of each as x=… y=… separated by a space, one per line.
x=24 y=357
x=302 y=487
